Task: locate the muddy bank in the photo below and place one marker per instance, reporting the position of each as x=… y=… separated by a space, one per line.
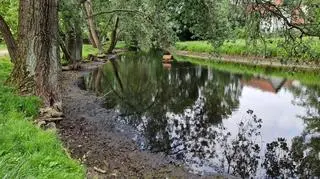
x=105 y=147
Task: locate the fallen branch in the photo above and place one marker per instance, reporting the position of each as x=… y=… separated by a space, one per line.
x=53 y=119
x=72 y=67
x=99 y=170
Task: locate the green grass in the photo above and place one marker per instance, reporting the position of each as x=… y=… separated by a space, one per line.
x=239 y=47
x=88 y=49
x=194 y=46
x=305 y=77
x=27 y=151
x=121 y=45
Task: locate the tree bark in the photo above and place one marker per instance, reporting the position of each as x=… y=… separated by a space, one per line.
x=93 y=43
x=22 y=75
x=48 y=67
x=37 y=66
x=8 y=38
x=91 y=25
x=114 y=40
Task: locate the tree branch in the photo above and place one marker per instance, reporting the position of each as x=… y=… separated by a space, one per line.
x=65 y=50
x=276 y=11
x=9 y=40
x=118 y=10
x=124 y=11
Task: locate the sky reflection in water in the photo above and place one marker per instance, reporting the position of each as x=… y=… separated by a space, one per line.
x=280 y=116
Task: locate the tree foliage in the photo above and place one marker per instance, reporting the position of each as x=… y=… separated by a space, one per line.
x=9 y=10
x=155 y=24
x=142 y=23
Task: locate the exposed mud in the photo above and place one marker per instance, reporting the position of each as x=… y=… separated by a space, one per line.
x=105 y=147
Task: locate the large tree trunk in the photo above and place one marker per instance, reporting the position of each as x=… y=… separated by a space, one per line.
x=8 y=38
x=92 y=26
x=48 y=67
x=114 y=36
x=22 y=75
x=37 y=67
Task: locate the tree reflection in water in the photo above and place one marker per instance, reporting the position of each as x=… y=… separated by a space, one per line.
x=180 y=112
x=241 y=154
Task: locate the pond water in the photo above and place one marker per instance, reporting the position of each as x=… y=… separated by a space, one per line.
x=214 y=121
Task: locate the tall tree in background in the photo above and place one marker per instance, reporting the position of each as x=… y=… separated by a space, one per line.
x=35 y=52
x=208 y=20
x=70 y=30
x=113 y=37
x=93 y=33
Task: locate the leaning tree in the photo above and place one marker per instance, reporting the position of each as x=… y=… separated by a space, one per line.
x=35 y=52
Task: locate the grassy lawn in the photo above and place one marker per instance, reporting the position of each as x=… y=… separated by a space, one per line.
x=27 y=151
x=305 y=77
x=194 y=46
x=239 y=47
x=88 y=49
x=121 y=45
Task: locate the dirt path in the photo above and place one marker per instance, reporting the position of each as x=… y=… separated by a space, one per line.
x=3 y=53
x=248 y=60
x=92 y=136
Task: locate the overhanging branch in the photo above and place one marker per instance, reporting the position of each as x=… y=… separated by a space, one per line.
x=123 y=11
x=8 y=38
x=276 y=11
x=118 y=10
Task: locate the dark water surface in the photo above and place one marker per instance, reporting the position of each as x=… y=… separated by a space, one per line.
x=214 y=121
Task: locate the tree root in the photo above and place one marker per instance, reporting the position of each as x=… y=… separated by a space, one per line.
x=98 y=58
x=73 y=67
x=49 y=116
